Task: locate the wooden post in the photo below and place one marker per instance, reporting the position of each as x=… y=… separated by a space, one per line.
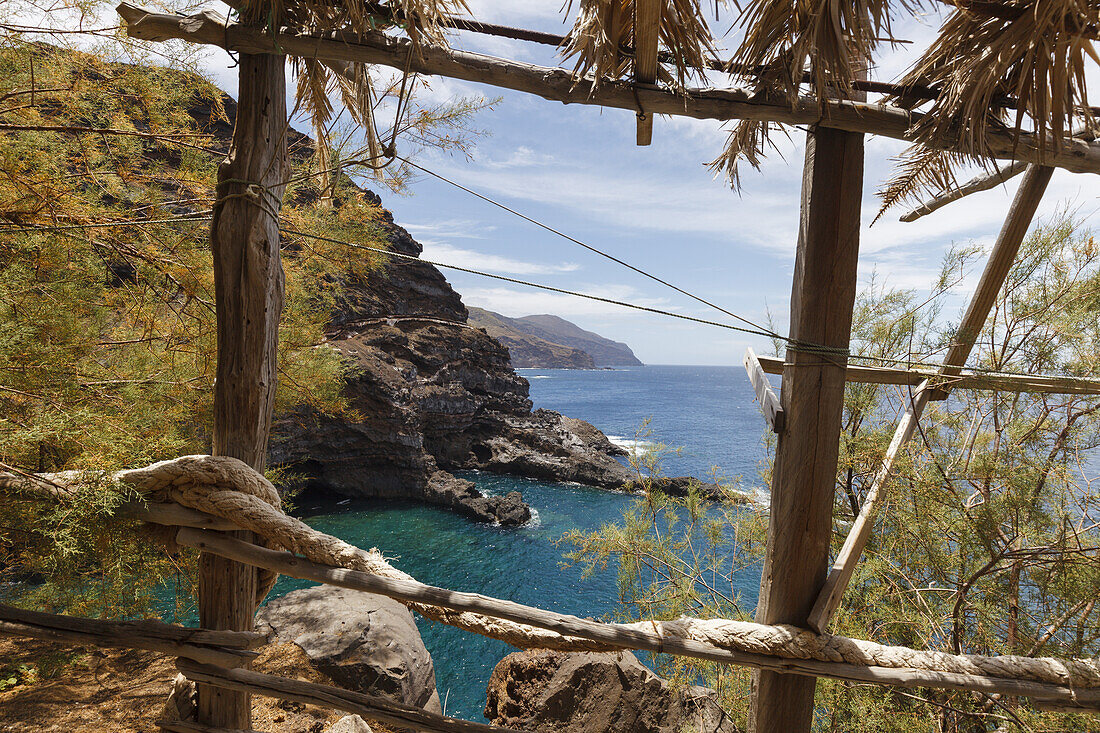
x=647 y=19
x=248 y=282
x=812 y=396
x=993 y=277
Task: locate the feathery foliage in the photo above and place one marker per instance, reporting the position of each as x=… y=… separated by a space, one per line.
x=989 y=540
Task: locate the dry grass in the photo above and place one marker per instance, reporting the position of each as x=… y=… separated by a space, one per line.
x=123 y=691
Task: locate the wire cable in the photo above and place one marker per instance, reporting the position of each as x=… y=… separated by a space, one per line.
x=526 y=283
x=790 y=343
x=588 y=247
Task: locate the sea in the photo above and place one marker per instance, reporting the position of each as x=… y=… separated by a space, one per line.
x=704 y=417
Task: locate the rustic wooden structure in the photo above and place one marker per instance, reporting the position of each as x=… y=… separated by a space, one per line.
x=796 y=588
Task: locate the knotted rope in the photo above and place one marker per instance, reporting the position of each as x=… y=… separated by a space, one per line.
x=229 y=489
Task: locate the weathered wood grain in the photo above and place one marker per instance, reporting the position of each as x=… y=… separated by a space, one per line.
x=765 y=395
x=812 y=396
x=248 y=290
x=647 y=16
x=243 y=640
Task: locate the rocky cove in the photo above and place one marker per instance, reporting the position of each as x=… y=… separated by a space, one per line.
x=432 y=395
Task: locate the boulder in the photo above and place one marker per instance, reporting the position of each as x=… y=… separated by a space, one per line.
x=349 y=724
x=592 y=692
x=361 y=641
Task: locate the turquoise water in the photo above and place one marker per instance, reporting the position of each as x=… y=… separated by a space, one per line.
x=709 y=411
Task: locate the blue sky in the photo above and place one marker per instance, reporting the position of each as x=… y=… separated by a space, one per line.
x=577 y=168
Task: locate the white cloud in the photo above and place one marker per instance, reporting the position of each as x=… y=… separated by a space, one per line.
x=451 y=229
x=450 y=255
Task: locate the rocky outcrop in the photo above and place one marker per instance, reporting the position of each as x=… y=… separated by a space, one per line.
x=430 y=394
x=596 y=693
x=361 y=641
x=349 y=724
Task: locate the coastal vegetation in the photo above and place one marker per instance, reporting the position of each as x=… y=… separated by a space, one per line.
x=107 y=324
x=988 y=544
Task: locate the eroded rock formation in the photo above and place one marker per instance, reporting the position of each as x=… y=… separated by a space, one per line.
x=596 y=693
x=433 y=395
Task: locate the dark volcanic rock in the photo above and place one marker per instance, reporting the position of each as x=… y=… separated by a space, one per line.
x=431 y=394
x=596 y=693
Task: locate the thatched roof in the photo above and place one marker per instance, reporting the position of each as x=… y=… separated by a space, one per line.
x=1017 y=65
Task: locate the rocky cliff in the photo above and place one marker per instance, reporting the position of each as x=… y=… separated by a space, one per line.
x=432 y=395
x=429 y=394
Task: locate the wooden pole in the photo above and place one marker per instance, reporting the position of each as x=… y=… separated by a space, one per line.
x=812 y=396
x=248 y=281
x=993 y=277
x=647 y=19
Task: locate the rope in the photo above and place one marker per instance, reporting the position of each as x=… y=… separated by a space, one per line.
x=230 y=489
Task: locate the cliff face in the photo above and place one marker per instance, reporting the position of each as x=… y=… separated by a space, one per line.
x=529 y=351
x=432 y=394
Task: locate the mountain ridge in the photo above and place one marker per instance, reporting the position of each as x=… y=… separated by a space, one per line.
x=551 y=342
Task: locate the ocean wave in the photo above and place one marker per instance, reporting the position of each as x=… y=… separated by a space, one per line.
x=632 y=444
x=538 y=376
x=535 y=521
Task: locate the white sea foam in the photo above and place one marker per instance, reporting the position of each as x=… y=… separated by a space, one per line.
x=535 y=521
x=539 y=376
x=632 y=445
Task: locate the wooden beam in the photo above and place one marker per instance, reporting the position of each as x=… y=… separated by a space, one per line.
x=765 y=395
x=974 y=185
x=812 y=395
x=996 y=270
x=647 y=19
x=560 y=85
x=133 y=640
x=624 y=636
x=1001 y=259
x=965 y=380
x=828 y=600
x=241 y=640
x=311 y=693
x=248 y=293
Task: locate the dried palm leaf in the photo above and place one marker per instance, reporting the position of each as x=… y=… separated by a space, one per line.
x=835 y=38
x=312 y=97
x=603 y=29
x=747 y=142
x=357 y=91
x=1038 y=52
x=422 y=20
x=920 y=171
